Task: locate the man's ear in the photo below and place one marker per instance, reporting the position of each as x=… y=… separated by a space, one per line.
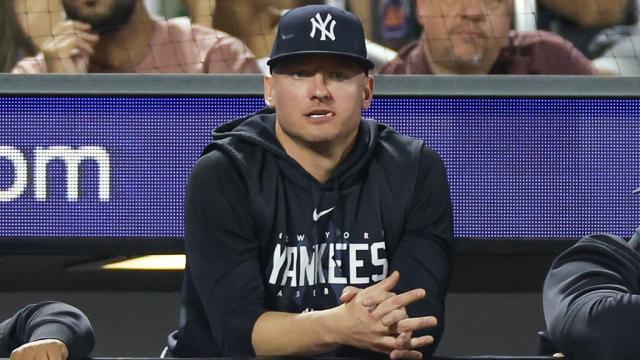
x=368 y=92
x=268 y=90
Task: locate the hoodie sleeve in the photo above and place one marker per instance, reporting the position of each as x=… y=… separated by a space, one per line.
x=48 y=320
x=590 y=299
x=223 y=252
x=424 y=254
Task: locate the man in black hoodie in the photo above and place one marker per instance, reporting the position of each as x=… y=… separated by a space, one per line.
x=591 y=299
x=46 y=331
x=300 y=219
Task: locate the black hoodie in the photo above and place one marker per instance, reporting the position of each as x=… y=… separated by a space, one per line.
x=264 y=235
x=48 y=320
x=591 y=299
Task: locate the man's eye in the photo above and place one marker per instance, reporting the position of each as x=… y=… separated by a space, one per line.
x=337 y=75
x=300 y=74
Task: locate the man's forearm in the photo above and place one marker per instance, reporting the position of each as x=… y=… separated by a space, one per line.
x=314 y=333
x=352 y=323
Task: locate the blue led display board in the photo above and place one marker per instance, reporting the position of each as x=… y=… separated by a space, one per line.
x=519 y=168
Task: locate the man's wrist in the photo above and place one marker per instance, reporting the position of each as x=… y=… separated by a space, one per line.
x=329 y=328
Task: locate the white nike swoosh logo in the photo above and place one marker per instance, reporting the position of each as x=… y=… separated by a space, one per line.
x=287 y=37
x=317 y=215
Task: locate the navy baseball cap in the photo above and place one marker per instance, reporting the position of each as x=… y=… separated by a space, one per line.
x=320 y=29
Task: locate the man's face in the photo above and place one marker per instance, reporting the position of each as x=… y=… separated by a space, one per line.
x=103 y=15
x=318 y=99
x=463 y=35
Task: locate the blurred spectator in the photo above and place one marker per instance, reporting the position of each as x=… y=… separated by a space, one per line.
x=15 y=43
x=20 y=34
x=201 y=11
x=391 y=23
x=38 y=17
x=252 y=21
x=121 y=36
x=394 y=17
x=592 y=26
x=624 y=57
x=46 y=331
x=475 y=37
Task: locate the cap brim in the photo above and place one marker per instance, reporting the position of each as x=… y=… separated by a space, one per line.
x=364 y=62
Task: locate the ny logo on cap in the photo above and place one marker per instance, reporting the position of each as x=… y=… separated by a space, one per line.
x=321 y=25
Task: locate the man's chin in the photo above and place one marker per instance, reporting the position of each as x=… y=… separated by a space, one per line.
x=104 y=21
x=469 y=57
x=465 y=61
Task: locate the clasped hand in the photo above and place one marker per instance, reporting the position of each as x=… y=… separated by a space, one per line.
x=70 y=47
x=377 y=319
x=46 y=349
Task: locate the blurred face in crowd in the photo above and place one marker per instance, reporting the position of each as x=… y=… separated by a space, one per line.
x=319 y=100
x=464 y=36
x=103 y=15
x=38 y=17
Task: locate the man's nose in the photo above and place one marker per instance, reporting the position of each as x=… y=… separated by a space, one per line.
x=319 y=88
x=473 y=9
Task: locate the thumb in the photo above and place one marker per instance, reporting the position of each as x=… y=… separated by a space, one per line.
x=389 y=283
x=349 y=293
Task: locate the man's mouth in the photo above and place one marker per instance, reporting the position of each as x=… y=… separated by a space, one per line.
x=468 y=31
x=470 y=34
x=320 y=114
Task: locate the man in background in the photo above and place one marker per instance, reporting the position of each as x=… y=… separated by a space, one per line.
x=591 y=298
x=592 y=26
x=105 y=36
x=46 y=331
x=475 y=37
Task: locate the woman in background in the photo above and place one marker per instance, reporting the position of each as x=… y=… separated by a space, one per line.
x=24 y=26
x=14 y=42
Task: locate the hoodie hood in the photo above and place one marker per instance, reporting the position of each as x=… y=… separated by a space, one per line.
x=259 y=129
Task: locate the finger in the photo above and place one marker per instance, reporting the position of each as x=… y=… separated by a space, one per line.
x=349 y=293
x=405 y=354
x=64 y=353
x=70 y=27
x=417 y=342
x=414 y=324
x=376 y=298
x=59 y=350
x=72 y=45
x=398 y=301
x=88 y=37
x=52 y=355
x=386 y=344
x=80 y=26
x=387 y=284
x=61 y=46
x=62 y=41
x=66 y=40
x=56 y=353
x=16 y=355
x=394 y=317
x=85 y=49
x=39 y=354
x=403 y=341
